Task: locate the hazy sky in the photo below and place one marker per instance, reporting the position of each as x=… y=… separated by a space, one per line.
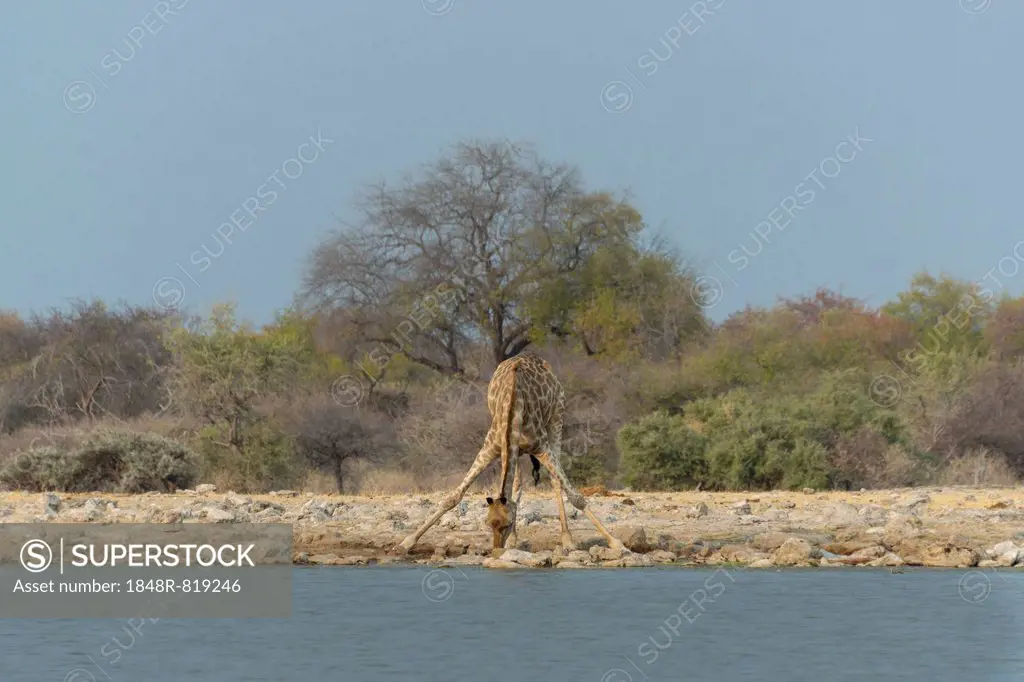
x=185 y=109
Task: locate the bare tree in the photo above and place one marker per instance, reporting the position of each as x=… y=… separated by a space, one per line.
x=449 y=258
x=92 y=361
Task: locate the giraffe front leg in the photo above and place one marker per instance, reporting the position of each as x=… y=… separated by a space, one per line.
x=483 y=459
x=511 y=540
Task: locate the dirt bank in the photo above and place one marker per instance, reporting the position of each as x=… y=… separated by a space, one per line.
x=946 y=527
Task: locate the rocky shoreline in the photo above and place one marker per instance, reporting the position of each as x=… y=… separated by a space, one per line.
x=954 y=527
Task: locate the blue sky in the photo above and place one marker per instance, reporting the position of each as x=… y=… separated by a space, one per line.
x=113 y=182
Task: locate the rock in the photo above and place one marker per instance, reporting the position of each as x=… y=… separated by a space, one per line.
x=739 y=554
x=916 y=500
x=770 y=541
x=206 y=488
x=393 y=515
x=238 y=500
x=841 y=514
x=901 y=527
x=323 y=559
x=268 y=515
x=599 y=553
x=452 y=546
x=873 y=514
x=1001 y=548
x=887 y=559
x=873 y=552
x=866 y=555
x=762 y=563
x=848 y=547
x=988 y=563
x=539 y=560
x=787 y=504
x=169 y=515
x=301 y=558
x=51 y=503
x=219 y=515
x=263 y=505
x=1010 y=557
x=697 y=511
x=741 y=508
x=629 y=502
x=661 y=556
x=532 y=517
x=466 y=560
x=808 y=491
x=635 y=539
x=579 y=556
x=316 y=511
x=491 y=562
x=946 y=555
x=282 y=493
x=793 y=552
x=630 y=561
x=570 y=564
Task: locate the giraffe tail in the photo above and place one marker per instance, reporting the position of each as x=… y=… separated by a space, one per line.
x=536 y=469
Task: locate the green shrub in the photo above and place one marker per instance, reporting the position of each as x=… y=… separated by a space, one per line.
x=107 y=461
x=266 y=461
x=833 y=436
x=660 y=452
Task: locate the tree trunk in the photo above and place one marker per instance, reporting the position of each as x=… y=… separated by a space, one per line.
x=339 y=476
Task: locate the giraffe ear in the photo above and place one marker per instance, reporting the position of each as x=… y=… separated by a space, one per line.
x=502 y=500
x=490 y=501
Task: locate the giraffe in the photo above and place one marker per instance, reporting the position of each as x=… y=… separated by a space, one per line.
x=526 y=402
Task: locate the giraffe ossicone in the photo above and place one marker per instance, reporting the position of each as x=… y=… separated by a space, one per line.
x=527 y=405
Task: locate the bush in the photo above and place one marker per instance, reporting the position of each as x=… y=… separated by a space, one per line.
x=329 y=437
x=833 y=437
x=266 y=460
x=660 y=452
x=112 y=461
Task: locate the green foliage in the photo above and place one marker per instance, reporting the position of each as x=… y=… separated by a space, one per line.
x=945 y=313
x=268 y=460
x=114 y=461
x=660 y=452
x=751 y=440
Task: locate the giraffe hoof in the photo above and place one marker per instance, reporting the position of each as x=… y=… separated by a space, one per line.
x=403 y=547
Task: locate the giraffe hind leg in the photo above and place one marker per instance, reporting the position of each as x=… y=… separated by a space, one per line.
x=577 y=500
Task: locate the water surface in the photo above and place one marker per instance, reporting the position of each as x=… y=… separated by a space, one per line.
x=406 y=623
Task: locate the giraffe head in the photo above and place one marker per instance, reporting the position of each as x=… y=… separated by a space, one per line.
x=498 y=520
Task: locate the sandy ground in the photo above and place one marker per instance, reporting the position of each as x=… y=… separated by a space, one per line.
x=948 y=527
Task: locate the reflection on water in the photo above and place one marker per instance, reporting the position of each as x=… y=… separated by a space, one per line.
x=631 y=625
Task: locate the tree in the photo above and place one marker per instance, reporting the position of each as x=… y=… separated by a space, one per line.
x=222 y=369
x=623 y=300
x=89 y=362
x=944 y=313
x=1004 y=330
x=453 y=257
x=328 y=437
